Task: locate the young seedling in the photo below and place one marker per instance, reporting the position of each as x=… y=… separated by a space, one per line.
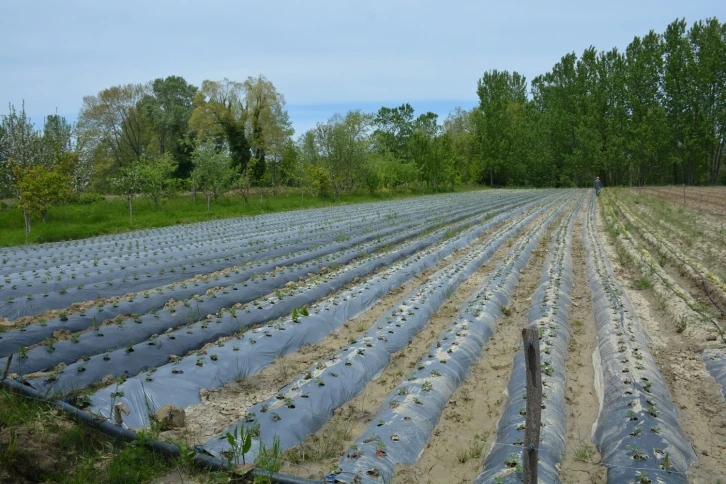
x=241 y=443
x=637 y=453
x=512 y=461
x=380 y=446
x=642 y=477
x=48 y=343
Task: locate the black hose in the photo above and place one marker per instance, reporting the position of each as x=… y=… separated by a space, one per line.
x=118 y=432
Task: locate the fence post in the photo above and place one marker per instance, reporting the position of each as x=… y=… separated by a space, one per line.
x=7 y=366
x=530 y=339
x=684 y=196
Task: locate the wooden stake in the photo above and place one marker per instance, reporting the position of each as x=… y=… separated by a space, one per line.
x=530 y=454
x=7 y=366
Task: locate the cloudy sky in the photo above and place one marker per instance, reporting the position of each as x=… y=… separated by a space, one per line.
x=325 y=56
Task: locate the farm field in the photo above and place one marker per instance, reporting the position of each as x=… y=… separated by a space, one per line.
x=700 y=199
x=382 y=342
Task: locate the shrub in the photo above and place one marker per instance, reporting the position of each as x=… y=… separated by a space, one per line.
x=87 y=198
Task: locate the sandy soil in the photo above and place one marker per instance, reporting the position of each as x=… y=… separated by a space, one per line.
x=355 y=415
x=469 y=421
x=702 y=244
x=702 y=409
x=222 y=407
x=690 y=275
x=707 y=200
x=581 y=398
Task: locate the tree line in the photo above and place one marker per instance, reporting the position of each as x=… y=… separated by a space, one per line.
x=653 y=114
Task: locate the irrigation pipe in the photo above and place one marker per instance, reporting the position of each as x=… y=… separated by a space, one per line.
x=120 y=433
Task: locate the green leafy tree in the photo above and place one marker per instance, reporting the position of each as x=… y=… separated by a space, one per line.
x=220 y=116
x=168 y=108
x=156 y=178
x=40 y=188
x=268 y=126
x=393 y=129
x=318 y=179
x=212 y=174
x=648 y=127
x=708 y=43
x=20 y=147
x=342 y=146
x=114 y=123
x=128 y=184
x=460 y=128
x=290 y=163
x=497 y=90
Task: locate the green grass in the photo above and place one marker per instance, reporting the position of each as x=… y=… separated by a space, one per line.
x=38 y=443
x=643 y=282
x=584 y=453
x=69 y=222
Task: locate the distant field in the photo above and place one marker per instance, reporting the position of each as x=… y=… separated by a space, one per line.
x=69 y=222
x=710 y=199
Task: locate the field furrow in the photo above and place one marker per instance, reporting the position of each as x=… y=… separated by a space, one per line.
x=637 y=433
x=102 y=277
x=549 y=312
x=307 y=402
x=247 y=353
x=404 y=423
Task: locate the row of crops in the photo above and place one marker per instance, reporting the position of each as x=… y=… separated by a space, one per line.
x=157 y=317
x=637 y=432
x=103 y=270
x=689 y=271
x=309 y=400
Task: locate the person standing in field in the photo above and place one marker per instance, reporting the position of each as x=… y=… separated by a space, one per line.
x=598 y=185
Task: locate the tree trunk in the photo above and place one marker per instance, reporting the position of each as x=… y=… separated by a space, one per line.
x=131 y=210
x=43 y=214
x=209 y=196
x=716 y=163
x=26 y=218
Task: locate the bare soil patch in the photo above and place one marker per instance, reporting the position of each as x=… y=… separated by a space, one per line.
x=580 y=461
